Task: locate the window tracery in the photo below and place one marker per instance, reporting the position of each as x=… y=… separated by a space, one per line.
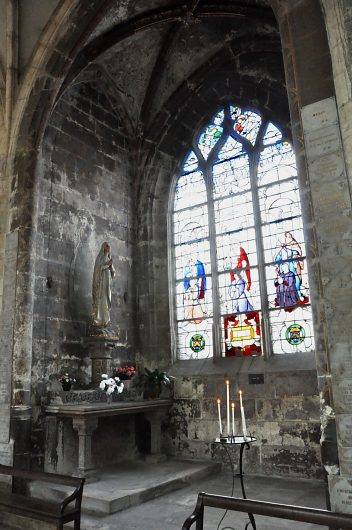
x=241 y=285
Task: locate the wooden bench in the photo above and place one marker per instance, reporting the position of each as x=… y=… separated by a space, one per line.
x=56 y=513
x=281 y=511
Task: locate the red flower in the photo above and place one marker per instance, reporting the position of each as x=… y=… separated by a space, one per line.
x=125 y=372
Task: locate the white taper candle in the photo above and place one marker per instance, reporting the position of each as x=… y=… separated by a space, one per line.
x=233 y=418
x=244 y=426
x=228 y=406
x=219 y=413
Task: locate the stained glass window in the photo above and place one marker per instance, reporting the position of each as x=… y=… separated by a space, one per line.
x=240 y=274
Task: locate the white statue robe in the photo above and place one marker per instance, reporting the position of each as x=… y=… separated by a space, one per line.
x=101 y=291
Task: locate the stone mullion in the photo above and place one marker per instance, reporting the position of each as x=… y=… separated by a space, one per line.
x=265 y=325
x=213 y=262
x=208 y=173
x=172 y=270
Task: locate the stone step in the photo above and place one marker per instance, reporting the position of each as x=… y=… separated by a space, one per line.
x=117 y=488
x=131 y=483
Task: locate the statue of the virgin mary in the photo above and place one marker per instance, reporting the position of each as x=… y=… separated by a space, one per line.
x=103 y=274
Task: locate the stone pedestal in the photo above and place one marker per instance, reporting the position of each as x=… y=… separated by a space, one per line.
x=155 y=418
x=100 y=349
x=85 y=428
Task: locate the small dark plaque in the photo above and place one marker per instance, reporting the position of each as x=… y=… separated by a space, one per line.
x=256 y=379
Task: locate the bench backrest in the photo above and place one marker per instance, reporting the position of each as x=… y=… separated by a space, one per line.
x=269 y=509
x=38 y=475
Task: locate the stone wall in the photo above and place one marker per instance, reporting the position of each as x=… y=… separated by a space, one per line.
x=282 y=414
x=84 y=199
x=338 y=18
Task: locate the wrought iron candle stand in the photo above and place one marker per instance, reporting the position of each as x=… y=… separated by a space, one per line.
x=226 y=443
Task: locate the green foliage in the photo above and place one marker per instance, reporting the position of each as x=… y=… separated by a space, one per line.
x=151 y=381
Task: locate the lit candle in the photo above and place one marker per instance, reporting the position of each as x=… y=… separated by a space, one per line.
x=219 y=413
x=228 y=406
x=244 y=427
x=233 y=418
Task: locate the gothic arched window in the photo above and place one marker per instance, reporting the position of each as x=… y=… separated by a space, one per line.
x=240 y=275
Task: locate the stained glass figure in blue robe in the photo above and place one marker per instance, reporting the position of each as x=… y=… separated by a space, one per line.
x=240 y=302
x=240 y=283
x=195 y=285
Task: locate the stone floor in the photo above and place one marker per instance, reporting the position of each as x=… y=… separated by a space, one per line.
x=169 y=511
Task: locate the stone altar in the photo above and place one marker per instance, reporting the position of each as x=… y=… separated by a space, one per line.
x=85 y=420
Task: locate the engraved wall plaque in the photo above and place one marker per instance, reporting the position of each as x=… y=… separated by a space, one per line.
x=342 y=392
x=345 y=457
x=344 y=429
x=341 y=364
x=318 y=115
x=327 y=168
x=322 y=142
x=340 y=493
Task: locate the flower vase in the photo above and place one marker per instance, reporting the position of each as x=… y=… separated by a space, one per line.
x=152 y=391
x=109 y=399
x=66 y=386
x=127 y=384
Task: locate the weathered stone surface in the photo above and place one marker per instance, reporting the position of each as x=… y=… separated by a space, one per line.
x=341 y=363
x=6 y=337
x=342 y=395
x=344 y=429
x=345 y=457
x=340 y=493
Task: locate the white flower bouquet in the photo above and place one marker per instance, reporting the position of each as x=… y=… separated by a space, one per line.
x=110 y=384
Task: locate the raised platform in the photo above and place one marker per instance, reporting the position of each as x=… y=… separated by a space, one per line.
x=131 y=483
